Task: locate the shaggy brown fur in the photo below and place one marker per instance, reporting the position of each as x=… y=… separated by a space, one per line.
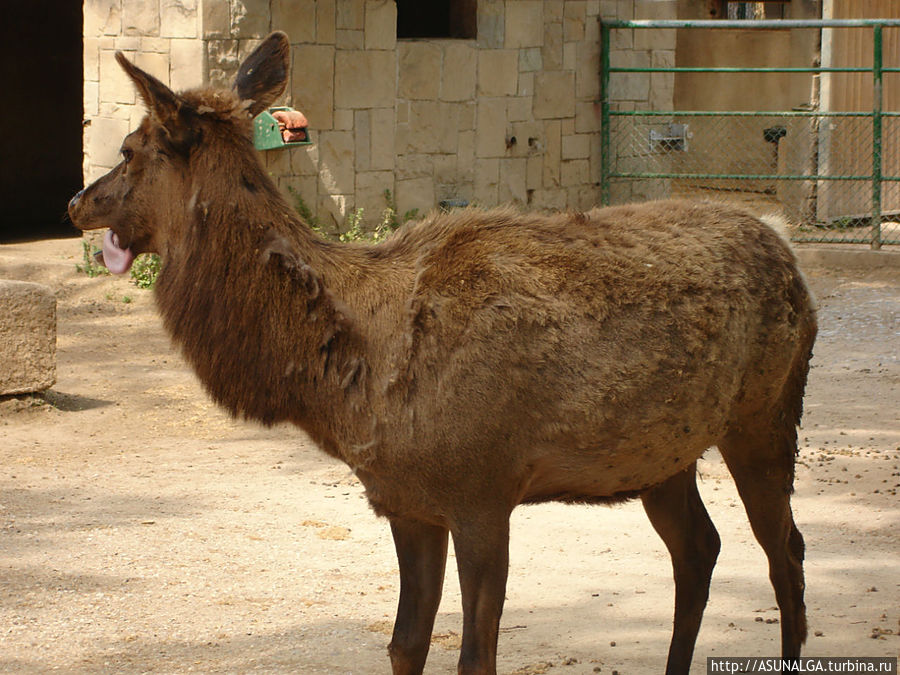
x=479 y=360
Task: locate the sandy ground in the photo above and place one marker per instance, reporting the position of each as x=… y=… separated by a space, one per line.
x=142 y=530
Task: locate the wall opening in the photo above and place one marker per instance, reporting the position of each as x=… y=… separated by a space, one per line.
x=437 y=19
x=41 y=122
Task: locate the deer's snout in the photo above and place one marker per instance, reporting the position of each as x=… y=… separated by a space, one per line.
x=74 y=201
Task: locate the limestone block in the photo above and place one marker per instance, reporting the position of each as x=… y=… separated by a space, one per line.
x=215 y=19
x=362 y=139
x=91 y=99
x=102 y=17
x=363 y=79
x=554 y=94
x=534 y=169
x=91 y=59
x=570 y=55
x=343 y=119
x=140 y=17
x=415 y=193
x=662 y=58
x=576 y=146
x=662 y=91
x=587 y=117
x=530 y=60
x=178 y=18
x=223 y=59
x=487 y=177
x=325 y=22
x=154 y=63
x=128 y=43
x=574 y=17
x=609 y=9
x=250 y=18
x=554 y=199
x=105 y=140
x=526 y=84
x=459 y=69
x=467 y=113
x=524 y=24
x=587 y=73
x=574 y=172
x=655 y=39
x=491 y=24
x=552 y=153
x=655 y=9
x=528 y=135
x=491 y=132
x=382 y=150
x=297 y=18
x=420 y=70
x=518 y=109
x=552 y=49
x=332 y=211
x=415 y=166
x=186 y=62
x=593 y=8
x=465 y=156
x=311 y=74
x=433 y=127
x=370 y=187
x=153 y=44
x=381 y=24
x=637 y=86
x=27 y=337
x=511 y=187
x=305 y=162
x=498 y=71
x=115 y=87
x=336 y=161
x=351 y=14
x=554 y=10
x=349 y=39
x=301 y=188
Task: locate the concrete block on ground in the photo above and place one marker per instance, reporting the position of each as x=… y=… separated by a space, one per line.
x=27 y=337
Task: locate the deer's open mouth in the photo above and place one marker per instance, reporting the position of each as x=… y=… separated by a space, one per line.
x=117 y=258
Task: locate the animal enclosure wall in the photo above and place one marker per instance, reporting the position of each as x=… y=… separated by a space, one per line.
x=509 y=115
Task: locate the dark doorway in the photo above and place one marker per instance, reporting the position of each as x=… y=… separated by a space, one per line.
x=41 y=117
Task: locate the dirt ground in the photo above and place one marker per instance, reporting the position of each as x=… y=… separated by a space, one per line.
x=142 y=530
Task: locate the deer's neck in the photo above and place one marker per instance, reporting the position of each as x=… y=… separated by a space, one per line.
x=249 y=303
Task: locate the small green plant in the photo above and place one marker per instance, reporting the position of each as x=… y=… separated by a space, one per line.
x=302 y=208
x=144 y=271
x=355 y=222
x=354 y=230
x=88 y=264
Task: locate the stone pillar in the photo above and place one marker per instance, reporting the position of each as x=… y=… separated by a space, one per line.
x=27 y=337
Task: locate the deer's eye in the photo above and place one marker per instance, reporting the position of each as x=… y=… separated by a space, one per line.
x=127 y=154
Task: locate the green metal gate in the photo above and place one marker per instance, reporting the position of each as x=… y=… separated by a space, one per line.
x=799 y=174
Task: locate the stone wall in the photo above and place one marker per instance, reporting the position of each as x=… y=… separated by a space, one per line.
x=511 y=116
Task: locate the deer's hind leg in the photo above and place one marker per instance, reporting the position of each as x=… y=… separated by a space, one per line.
x=762 y=464
x=679 y=517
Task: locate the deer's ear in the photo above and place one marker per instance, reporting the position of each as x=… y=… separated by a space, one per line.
x=164 y=105
x=263 y=75
x=161 y=101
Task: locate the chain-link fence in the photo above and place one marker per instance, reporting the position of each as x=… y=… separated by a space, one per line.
x=833 y=176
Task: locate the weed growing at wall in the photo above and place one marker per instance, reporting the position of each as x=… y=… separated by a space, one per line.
x=88 y=264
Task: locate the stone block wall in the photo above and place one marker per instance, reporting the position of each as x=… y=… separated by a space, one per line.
x=511 y=116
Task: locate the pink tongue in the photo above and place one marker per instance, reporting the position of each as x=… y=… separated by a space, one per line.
x=117 y=260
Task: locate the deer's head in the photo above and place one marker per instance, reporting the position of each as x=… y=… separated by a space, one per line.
x=181 y=140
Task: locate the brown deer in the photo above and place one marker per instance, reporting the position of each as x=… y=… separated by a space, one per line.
x=478 y=360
